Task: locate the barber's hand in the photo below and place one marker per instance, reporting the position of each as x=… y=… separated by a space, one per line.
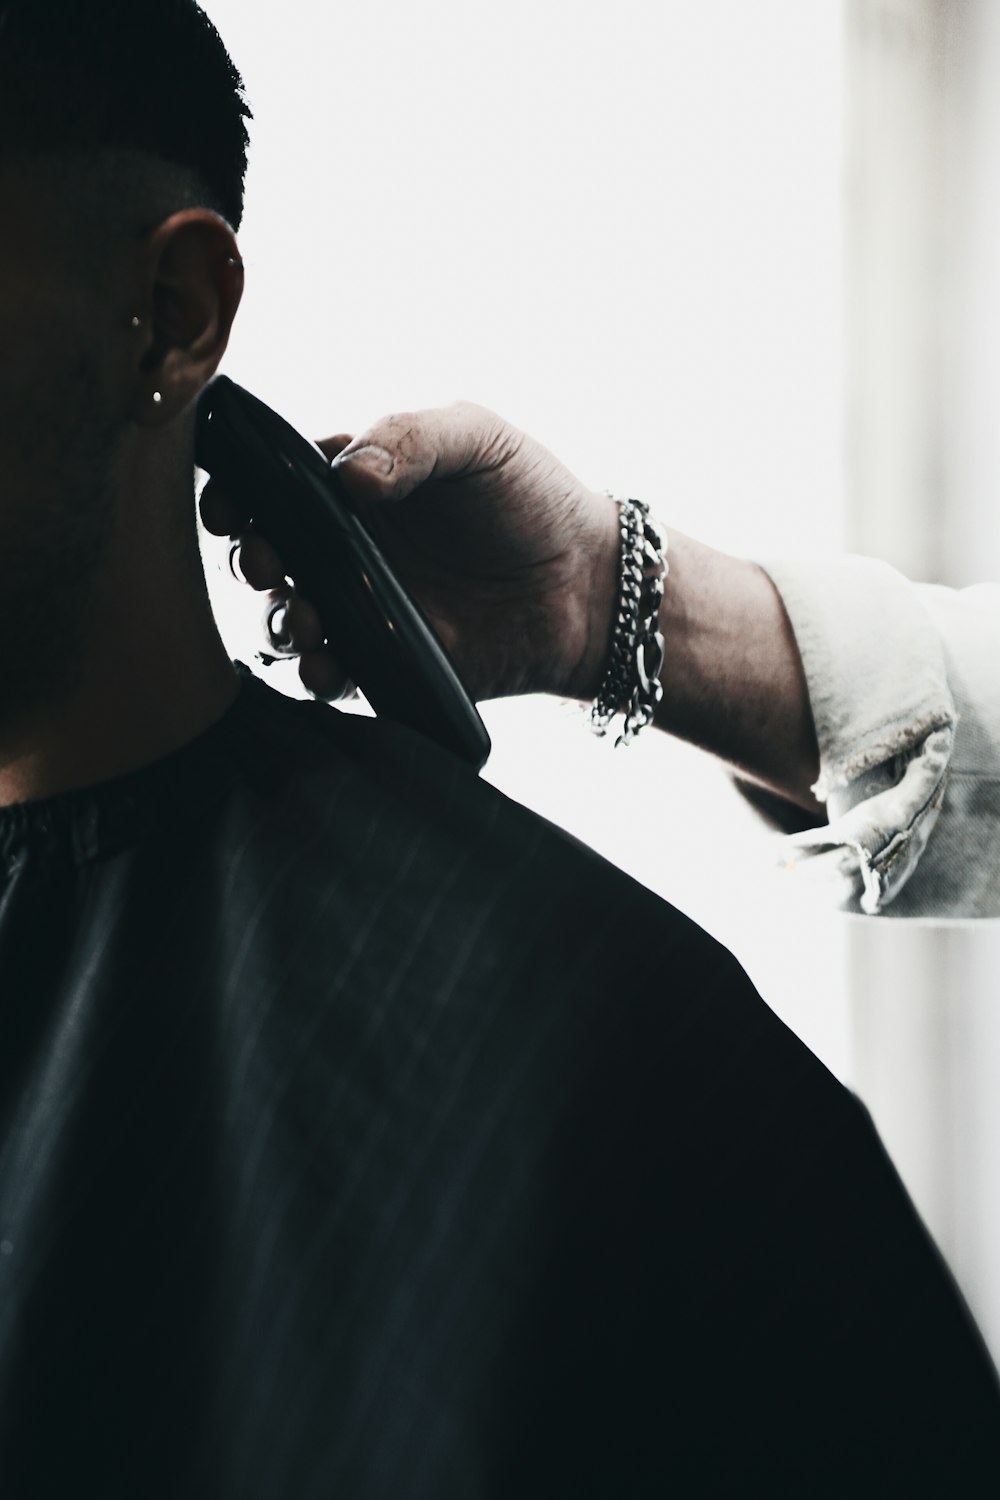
x=512 y=559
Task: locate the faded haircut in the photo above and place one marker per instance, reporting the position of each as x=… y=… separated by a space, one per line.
x=129 y=109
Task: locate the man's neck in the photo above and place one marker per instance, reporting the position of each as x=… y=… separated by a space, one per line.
x=156 y=675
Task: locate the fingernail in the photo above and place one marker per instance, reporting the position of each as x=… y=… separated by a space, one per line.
x=277 y=624
x=372 y=457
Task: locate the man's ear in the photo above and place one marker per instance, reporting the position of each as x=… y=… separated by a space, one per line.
x=193 y=276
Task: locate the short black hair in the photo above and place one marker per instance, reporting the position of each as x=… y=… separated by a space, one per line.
x=145 y=81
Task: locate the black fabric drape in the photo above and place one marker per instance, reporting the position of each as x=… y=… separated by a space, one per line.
x=362 y=1134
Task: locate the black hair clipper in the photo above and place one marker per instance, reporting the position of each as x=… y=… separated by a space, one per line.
x=378 y=634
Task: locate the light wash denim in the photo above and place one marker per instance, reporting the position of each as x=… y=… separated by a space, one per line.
x=904 y=682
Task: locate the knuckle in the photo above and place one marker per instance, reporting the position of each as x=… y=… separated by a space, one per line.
x=496 y=440
x=472 y=412
x=402 y=433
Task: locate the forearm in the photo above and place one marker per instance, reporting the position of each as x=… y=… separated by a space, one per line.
x=733 y=681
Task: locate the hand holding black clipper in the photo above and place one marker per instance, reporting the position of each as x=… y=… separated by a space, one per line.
x=379 y=634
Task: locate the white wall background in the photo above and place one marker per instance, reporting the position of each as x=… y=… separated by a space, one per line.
x=619 y=226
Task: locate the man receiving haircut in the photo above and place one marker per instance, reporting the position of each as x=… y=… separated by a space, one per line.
x=123 y=153
x=360 y=1132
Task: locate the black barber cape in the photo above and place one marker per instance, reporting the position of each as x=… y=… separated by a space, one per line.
x=364 y=1135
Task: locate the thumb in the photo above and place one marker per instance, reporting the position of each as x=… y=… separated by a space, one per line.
x=364 y=470
x=399 y=452
x=368 y=469
x=332 y=446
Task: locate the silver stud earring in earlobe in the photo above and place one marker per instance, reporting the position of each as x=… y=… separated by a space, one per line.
x=136 y=322
x=157 y=398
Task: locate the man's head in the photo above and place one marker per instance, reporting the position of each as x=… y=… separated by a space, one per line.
x=122 y=162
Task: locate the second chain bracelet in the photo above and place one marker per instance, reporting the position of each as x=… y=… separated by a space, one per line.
x=631 y=685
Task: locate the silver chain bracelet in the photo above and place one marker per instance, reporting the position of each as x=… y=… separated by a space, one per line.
x=631 y=684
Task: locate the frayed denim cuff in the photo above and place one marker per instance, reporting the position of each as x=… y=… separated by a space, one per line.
x=885 y=722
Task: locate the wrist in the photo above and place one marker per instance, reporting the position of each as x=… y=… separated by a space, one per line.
x=598 y=580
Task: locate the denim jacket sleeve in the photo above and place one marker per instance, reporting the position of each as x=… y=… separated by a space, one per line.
x=904 y=683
